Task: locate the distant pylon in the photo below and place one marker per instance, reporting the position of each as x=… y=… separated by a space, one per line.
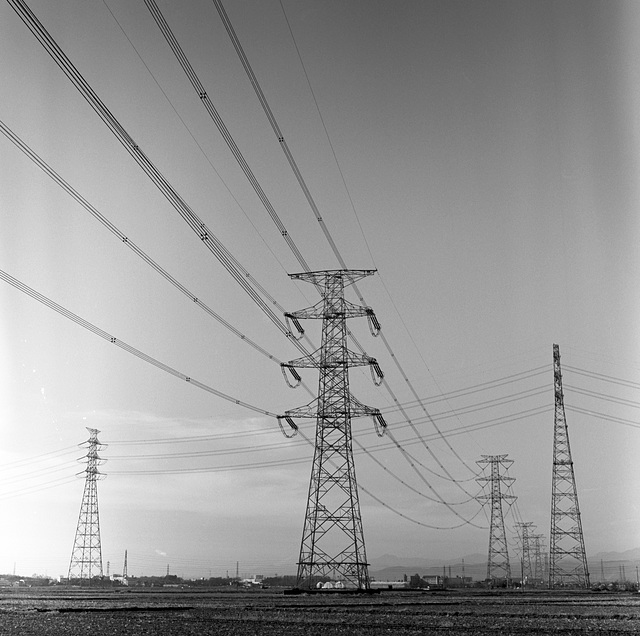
x=567 y=555
x=538 y=566
x=525 y=535
x=498 y=566
x=86 y=556
x=332 y=539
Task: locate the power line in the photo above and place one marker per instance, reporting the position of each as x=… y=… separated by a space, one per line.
x=603 y=416
x=18 y=463
x=202 y=94
x=248 y=283
x=486 y=404
x=283 y=144
x=169 y=193
x=602 y=376
x=193 y=137
x=505 y=419
x=276 y=128
x=222 y=128
x=188 y=69
x=36 y=473
x=603 y=396
x=125 y=240
x=439 y=500
x=103 y=334
x=195 y=438
x=29 y=490
x=96 y=330
x=123 y=345
x=476 y=388
x=47 y=302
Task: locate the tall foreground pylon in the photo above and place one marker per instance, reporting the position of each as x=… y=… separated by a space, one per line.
x=498 y=565
x=567 y=555
x=332 y=539
x=86 y=556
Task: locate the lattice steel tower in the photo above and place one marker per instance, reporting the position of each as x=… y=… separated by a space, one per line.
x=86 y=557
x=567 y=556
x=332 y=539
x=538 y=569
x=524 y=528
x=498 y=566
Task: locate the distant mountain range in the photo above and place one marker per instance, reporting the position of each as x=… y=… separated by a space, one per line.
x=388 y=567
x=391 y=560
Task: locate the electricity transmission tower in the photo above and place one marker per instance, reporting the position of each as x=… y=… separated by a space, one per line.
x=332 y=539
x=538 y=569
x=567 y=556
x=125 y=574
x=498 y=566
x=86 y=557
x=525 y=536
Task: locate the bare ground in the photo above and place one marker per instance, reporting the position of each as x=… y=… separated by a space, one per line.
x=69 y=612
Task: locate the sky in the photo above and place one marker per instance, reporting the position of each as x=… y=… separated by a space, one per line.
x=481 y=156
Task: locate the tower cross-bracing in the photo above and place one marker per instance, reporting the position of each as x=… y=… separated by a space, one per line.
x=86 y=556
x=498 y=566
x=538 y=569
x=526 y=537
x=567 y=555
x=332 y=539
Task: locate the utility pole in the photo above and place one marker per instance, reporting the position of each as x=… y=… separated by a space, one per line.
x=498 y=566
x=567 y=555
x=332 y=539
x=86 y=556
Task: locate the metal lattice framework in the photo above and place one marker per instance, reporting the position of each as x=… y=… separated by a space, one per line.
x=525 y=536
x=124 y=568
x=538 y=568
x=498 y=566
x=86 y=556
x=567 y=555
x=332 y=540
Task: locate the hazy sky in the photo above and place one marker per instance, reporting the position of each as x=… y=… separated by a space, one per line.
x=482 y=156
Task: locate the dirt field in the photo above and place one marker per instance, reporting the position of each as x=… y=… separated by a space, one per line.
x=256 y=612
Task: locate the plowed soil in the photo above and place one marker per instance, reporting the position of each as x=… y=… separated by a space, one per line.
x=74 y=612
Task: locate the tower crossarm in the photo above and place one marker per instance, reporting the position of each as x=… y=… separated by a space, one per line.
x=348 y=276
x=354 y=408
x=490 y=497
x=340 y=308
x=334 y=359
